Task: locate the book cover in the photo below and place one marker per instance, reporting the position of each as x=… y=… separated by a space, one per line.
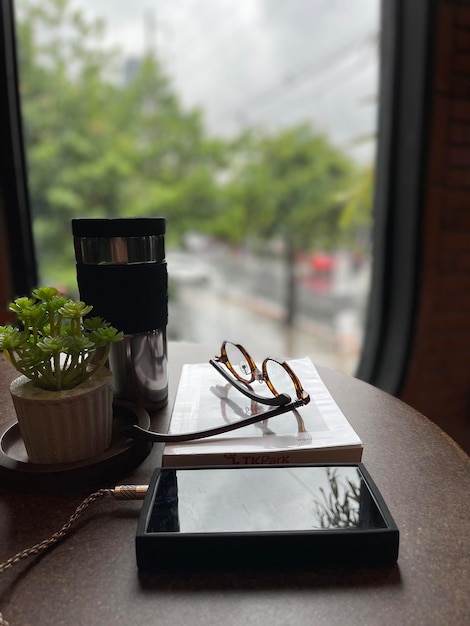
x=315 y=433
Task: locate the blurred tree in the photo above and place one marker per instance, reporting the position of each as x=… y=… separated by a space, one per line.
x=356 y=218
x=100 y=142
x=108 y=137
x=290 y=185
x=74 y=155
x=174 y=164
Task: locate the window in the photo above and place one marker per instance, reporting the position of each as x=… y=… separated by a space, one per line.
x=250 y=125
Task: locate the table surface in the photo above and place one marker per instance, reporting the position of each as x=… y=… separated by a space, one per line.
x=91 y=577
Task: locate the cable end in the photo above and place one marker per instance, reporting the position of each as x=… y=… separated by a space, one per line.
x=130 y=492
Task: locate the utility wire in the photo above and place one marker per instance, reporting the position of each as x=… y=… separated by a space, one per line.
x=337 y=81
x=317 y=67
x=308 y=72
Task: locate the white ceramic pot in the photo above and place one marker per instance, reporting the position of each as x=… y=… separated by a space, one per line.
x=65 y=426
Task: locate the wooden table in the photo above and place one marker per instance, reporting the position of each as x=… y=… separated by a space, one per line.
x=91 y=578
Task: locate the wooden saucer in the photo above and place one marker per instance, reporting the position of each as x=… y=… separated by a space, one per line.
x=17 y=472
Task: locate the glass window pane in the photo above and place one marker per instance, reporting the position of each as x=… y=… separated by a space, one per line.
x=249 y=124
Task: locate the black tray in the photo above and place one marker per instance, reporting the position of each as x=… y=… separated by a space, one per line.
x=195 y=518
x=17 y=472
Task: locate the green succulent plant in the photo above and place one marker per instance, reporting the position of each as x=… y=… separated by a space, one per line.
x=55 y=345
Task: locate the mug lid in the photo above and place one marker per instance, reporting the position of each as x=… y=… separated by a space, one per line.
x=119 y=227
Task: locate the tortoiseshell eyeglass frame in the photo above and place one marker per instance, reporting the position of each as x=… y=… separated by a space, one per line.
x=255 y=374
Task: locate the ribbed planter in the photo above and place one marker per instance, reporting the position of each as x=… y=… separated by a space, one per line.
x=65 y=426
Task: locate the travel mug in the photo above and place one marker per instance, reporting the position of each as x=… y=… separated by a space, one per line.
x=122 y=272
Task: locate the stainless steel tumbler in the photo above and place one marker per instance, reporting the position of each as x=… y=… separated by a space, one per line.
x=122 y=272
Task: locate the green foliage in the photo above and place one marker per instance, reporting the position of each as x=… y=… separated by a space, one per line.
x=340 y=508
x=101 y=143
x=357 y=213
x=291 y=184
x=55 y=347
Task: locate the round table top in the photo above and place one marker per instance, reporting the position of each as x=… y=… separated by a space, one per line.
x=91 y=577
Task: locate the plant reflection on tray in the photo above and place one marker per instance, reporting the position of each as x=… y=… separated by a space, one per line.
x=239 y=369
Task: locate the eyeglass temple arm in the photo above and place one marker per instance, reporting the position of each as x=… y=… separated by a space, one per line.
x=136 y=432
x=280 y=400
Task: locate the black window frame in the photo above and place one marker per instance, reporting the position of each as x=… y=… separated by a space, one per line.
x=406 y=56
x=406 y=63
x=14 y=197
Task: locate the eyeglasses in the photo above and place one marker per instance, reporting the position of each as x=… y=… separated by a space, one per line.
x=280 y=379
x=241 y=371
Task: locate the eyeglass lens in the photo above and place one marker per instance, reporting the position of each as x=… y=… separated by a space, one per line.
x=280 y=379
x=239 y=362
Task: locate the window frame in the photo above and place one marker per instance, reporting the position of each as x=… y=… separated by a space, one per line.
x=406 y=62
x=14 y=197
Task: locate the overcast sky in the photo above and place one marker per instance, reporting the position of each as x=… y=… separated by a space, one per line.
x=267 y=62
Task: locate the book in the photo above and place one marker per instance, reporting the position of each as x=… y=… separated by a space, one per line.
x=315 y=433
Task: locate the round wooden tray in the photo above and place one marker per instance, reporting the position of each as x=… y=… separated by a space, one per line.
x=17 y=472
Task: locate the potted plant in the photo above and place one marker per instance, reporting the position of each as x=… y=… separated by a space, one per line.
x=63 y=398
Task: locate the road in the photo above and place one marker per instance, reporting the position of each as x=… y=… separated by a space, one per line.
x=216 y=296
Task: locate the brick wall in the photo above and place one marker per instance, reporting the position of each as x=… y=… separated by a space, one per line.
x=437 y=382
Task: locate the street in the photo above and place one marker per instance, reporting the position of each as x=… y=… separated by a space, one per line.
x=216 y=296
